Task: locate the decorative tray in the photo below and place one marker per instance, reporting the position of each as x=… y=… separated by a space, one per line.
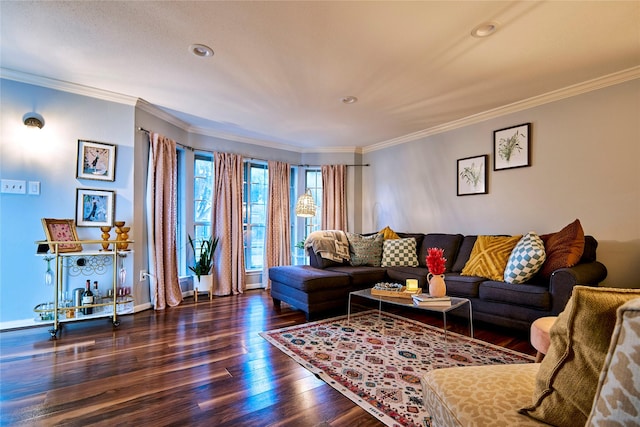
x=395 y=290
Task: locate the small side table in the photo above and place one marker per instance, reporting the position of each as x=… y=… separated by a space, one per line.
x=540 y=339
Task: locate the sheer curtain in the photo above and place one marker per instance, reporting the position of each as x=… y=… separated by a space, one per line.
x=162 y=221
x=227 y=224
x=334 y=205
x=278 y=233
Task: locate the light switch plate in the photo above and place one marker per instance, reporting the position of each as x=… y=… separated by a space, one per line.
x=34 y=188
x=13 y=186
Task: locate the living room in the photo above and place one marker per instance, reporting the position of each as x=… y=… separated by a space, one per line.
x=584 y=150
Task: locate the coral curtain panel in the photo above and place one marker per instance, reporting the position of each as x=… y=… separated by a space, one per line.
x=278 y=238
x=334 y=204
x=227 y=225
x=162 y=217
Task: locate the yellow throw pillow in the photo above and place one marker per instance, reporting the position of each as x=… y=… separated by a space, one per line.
x=489 y=257
x=568 y=376
x=388 y=234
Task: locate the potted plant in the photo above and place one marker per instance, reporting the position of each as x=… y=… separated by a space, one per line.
x=203 y=257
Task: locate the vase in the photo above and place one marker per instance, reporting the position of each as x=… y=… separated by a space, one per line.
x=437 y=287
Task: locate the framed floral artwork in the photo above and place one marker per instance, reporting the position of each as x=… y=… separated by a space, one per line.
x=472 y=175
x=60 y=231
x=511 y=147
x=96 y=160
x=94 y=208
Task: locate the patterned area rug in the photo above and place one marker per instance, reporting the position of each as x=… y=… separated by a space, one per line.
x=378 y=363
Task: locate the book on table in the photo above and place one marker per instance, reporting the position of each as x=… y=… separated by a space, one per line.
x=428 y=300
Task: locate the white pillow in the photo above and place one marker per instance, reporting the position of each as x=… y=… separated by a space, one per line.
x=526 y=259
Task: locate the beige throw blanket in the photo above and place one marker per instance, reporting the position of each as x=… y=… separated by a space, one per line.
x=330 y=244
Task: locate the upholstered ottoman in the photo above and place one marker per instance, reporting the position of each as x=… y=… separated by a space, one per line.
x=480 y=395
x=540 y=339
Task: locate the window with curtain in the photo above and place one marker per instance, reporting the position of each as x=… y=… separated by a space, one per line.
x=254 y=212
x=202 y=197
x=313 y=182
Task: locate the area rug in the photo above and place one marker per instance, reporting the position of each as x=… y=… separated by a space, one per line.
x=377 y=362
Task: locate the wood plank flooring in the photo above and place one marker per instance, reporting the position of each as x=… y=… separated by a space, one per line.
x=198 y=364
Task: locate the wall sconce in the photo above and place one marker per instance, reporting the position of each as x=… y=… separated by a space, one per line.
x=33 y=120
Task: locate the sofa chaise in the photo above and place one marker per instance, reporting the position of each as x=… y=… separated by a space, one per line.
x=323 y=286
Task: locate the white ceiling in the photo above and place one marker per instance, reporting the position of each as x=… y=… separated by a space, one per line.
x=281 y=68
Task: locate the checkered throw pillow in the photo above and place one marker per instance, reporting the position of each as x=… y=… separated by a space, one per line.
x=526 y=259
x=399 y=252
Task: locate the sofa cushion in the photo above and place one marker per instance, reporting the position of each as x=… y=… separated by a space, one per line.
x=464 y=252
x=564 y=248
x=365 y=250
x=388 y=233
x=537 y=297
x=307 y=278
x=489 y=256
x=568 y=376
x=462 y=286
x=590 y=246
x=399 y=252
x=362 y=276
x=480 y=395
x=450 y=243
x=401 y=274
x=526 y=259
x=316 y=260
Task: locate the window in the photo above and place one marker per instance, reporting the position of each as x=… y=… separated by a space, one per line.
x=313 y=182
x=254 y=212
x=202 y=197
x=180 y=228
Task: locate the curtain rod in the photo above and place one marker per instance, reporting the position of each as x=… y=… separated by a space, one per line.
x=260 y=160
x=177 y=143
x=317 y=166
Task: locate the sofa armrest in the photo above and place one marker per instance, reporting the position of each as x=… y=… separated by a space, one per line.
x=563 y=280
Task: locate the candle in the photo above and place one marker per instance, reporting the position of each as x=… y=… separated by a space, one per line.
x=412 y=284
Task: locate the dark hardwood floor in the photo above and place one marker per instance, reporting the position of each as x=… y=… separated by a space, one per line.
x=198 y=364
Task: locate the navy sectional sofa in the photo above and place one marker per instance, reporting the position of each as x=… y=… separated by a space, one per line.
x=322 y=288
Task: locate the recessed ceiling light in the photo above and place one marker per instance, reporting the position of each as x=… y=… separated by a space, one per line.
x=485 y=29
x=201 y=50
x=349 y=99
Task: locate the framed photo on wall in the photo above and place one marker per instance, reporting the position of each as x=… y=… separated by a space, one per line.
x=96 y=160
x=472 y=175
x=94 y=208
x=61 y=230
x=511 y=147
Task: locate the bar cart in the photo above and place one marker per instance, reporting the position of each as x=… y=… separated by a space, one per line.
x=82 y=263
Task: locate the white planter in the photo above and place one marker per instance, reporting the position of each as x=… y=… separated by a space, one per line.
x=204 y=285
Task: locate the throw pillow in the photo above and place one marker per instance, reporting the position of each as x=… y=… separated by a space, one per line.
x=563 y=248
x=568 y=376
x=399 y=253
x=365 y=250
x=388 y=233
x=489 y=257
x=526 y=259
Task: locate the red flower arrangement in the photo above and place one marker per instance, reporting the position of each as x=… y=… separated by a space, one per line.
x=436 y=261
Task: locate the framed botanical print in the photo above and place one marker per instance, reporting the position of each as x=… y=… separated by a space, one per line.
x=472 y=175
x=61 y=230
x=96 y=160
x=511 y=147
x=94 y=208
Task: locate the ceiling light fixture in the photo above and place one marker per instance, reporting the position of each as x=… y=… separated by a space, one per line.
x=349 y=99
x=33 y=120
x=201 y=50
x=484 y=30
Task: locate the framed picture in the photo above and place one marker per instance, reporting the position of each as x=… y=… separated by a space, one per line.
x=96 y=160
x=61 y=230
x=511 y=147
x=94 y=208
x=472 y=175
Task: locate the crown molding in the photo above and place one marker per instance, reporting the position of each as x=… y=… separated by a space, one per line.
x=546 y=98
x=65 y=86
x=161 y=114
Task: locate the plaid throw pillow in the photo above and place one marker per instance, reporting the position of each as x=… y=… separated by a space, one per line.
x=399 y=253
